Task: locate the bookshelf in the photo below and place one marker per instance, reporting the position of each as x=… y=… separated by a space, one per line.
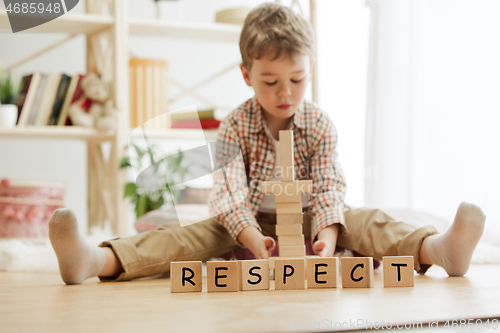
x=105 y=180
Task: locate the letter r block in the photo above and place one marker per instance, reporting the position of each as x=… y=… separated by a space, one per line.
x=254 y=274
x=222 y=276
x=357 y=272
x=398 y=271
x=322 y=272
x=185 y=276
x=289 y=274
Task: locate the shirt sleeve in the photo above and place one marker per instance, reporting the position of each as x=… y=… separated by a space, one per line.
x=229 y=202
x=327 y=200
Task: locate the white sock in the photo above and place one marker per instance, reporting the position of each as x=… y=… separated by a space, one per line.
x=453 y=250
x=77 y=259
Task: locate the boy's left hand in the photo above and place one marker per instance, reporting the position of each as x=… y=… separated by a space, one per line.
x=323 y=248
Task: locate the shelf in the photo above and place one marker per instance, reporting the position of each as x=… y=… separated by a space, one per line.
x=222 y=32
x=57 y=132
x=68 y=23
x=179 y=134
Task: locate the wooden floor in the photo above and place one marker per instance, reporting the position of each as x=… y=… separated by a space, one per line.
x=42 y=303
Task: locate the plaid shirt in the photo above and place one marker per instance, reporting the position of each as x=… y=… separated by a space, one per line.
x=315 y=158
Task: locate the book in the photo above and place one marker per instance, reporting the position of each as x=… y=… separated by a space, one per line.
x=73 y=94
x=38 y=99
x=59 y=100
x=27 y=96
x=47 y=103
x=204 y=124
x=190 y=116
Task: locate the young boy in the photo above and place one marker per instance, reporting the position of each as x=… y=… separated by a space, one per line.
x=277 y=54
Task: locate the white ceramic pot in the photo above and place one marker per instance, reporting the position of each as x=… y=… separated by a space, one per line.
x=8 y=115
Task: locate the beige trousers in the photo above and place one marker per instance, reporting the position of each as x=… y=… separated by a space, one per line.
x=370 y=232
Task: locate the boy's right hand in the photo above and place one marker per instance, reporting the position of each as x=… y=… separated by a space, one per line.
x=260 y=245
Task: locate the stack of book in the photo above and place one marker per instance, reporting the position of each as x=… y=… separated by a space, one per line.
x=202 y=119
x=45 y=99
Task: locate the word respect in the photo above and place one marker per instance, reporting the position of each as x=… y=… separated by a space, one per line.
x=289 y=273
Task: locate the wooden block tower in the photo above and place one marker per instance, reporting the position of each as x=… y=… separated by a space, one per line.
x=288 y=204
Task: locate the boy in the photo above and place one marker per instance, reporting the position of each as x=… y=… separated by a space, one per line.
x=277 y=54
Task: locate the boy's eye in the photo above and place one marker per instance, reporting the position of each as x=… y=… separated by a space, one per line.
x=296 y=81
x=271 y=83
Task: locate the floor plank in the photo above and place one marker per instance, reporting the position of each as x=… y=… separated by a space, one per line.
x=42 y=303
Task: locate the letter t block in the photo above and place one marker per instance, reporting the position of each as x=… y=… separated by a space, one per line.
x=398 y=271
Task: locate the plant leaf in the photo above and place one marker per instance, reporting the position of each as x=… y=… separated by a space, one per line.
x=130 y=189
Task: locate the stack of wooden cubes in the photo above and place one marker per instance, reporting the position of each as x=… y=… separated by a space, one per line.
x=287 y=194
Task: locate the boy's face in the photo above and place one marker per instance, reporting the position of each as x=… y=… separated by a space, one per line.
x=279 y=84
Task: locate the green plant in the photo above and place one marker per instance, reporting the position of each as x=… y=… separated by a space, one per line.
x=163 y=192
x=8 y=91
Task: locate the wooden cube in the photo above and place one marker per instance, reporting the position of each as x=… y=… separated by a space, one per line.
x=357 y=272
x=289 y=208
x=292 y=251
x=254 y=274
x=222 y=276
x=278 y=187
x=185 y=276
x=288 y=230
x=289 y=274
x=292 y=240
x=322 y=272
x=286 y=156
x=285 y=219
x=398 y=271
x=288 y=196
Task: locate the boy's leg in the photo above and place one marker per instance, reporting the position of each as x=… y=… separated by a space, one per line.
x=150 y=253
x=145 y=254
x=373 y=233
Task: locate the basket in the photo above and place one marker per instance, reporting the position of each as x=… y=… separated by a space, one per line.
x=26 y=206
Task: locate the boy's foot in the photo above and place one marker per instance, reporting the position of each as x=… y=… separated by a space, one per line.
x=77 y=259
x=453 y=250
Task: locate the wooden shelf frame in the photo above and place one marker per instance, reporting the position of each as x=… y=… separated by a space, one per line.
x=57 y=132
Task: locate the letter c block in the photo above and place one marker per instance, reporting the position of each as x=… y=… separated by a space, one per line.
x=185 y=276
x=289 y=274
x=222 y=276
x=357 y=272
x=254 y=274
x=398 y=271
x=322 y=272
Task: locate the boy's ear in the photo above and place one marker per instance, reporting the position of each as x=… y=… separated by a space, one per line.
x=311 y=71
x=246 y=75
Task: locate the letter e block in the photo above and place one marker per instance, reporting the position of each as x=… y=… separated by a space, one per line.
x=222 y=276
x=289 y=274
x=398 y=271
x=357 y=272
x=322 y=272
x=254 y=274
x=185 y=276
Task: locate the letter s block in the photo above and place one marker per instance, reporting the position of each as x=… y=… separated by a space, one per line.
x=289 y=274
x=322 y=272
x=185 y=276
x=357 y=272
x=254 y=274
x=398 y=271
x=222 y=276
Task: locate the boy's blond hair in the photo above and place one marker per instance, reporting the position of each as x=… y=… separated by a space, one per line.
x=272 y=30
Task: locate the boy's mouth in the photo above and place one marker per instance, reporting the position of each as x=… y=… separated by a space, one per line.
x=284 y=106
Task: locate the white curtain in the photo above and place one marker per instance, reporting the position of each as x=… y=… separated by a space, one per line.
x=433 y=107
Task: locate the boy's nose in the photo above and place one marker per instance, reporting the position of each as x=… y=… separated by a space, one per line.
x=284 y=91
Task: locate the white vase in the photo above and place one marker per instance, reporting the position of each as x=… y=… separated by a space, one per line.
x=8 y=115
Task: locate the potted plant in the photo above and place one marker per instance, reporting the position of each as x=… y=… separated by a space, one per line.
x=8 y=96
x=164 y=193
